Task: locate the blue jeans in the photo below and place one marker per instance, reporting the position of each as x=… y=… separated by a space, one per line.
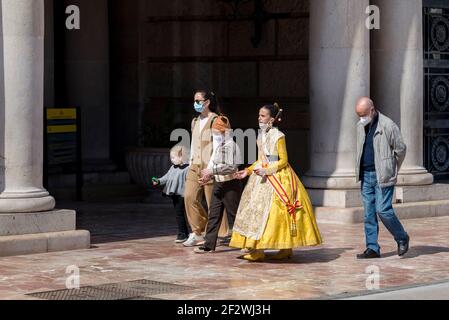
x=378 y=200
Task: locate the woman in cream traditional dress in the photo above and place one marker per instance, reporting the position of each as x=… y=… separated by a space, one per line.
x=275 y=211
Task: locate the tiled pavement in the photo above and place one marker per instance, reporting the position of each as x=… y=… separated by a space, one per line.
x=133 y=241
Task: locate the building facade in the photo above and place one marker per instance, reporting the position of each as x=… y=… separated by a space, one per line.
x=134 y=61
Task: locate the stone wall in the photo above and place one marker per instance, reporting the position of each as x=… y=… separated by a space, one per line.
x=161 y=51
x=193 y=44
x=77 y=69
x=126 y=103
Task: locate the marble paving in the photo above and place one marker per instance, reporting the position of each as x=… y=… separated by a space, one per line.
x=132 y=240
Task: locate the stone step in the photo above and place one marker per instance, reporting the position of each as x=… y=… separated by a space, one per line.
x=90 y=165
x=100 y=192
x=90 y=179
x=412 y=210
x=402 y=194
x=434 y=192
x=13 y=224
x=99 y=165
x=44 y=242
x=338 y=198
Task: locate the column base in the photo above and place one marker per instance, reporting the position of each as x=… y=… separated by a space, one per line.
x=335 y=198
x=40 y=232
x=27 y=202
x=14 y=224
x=414 y=177
x=44 y=242
x=336 y=181
x=410 y=176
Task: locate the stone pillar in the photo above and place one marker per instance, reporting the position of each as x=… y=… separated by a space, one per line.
x=49 y=59
x=339 y=75
x=22 y=116
x=397 y=79
x=28 y=223
x=339 y=67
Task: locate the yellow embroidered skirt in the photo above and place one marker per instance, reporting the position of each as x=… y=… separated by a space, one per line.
x=277 y=232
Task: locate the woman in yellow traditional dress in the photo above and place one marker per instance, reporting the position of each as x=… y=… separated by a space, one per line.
x=275 y=211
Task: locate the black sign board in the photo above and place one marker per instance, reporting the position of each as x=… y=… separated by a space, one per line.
x=62 y=140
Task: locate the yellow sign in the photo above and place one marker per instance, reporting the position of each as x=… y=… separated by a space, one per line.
x=61 y=114
x=61 y=129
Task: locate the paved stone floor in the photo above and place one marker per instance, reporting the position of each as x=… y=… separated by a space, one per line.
x=132 y=241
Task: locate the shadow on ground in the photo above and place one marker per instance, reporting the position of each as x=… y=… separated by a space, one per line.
x=418 y=251
x=121 y=220
x=322 y=255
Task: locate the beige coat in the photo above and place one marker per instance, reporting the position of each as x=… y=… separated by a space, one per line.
x=202 y=147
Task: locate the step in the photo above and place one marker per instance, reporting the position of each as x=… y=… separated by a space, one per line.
x=413 y=210
x=434 y=192
x=44 y=242
x=94 y=178
x=99 y=192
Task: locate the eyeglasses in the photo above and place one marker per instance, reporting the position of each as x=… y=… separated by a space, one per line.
x=199 y=101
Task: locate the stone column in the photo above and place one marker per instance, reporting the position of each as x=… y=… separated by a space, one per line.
x=22 y=107
x=28 y=223
x=397 y=79
x=339 y=67
x=339 y=75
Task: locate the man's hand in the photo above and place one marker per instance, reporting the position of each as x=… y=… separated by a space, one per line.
x=206 y=176
x=204 y=180
x=241 y=174
x=206 y=172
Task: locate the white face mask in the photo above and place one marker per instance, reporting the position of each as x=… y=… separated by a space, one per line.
x=218 y=138
x=264 y=126
x=365 y=120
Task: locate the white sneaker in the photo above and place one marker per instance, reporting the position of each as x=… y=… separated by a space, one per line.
x=193 y=241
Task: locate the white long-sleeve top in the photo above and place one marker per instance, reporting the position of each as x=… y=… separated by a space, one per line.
x=225 y=160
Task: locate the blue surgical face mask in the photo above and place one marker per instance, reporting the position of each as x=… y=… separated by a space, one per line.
x=199 y=107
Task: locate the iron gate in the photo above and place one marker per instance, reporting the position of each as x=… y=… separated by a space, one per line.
x=436 y=87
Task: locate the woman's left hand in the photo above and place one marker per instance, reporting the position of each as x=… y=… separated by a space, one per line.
x=260 y=172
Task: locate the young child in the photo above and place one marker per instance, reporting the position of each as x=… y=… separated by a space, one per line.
x=227 y=190
x=173 y=182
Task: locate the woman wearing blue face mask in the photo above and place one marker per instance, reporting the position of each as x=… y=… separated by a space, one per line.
x=205 y=103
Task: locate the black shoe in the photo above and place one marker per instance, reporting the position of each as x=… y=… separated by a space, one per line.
x=203 y=249
x=368 y=254
x=225 y=241
x=403 y=246
x=181 y=238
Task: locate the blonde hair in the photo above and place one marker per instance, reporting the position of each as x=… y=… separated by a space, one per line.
x=180 y=151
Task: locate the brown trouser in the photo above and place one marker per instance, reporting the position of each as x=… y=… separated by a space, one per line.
x=193 y=195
